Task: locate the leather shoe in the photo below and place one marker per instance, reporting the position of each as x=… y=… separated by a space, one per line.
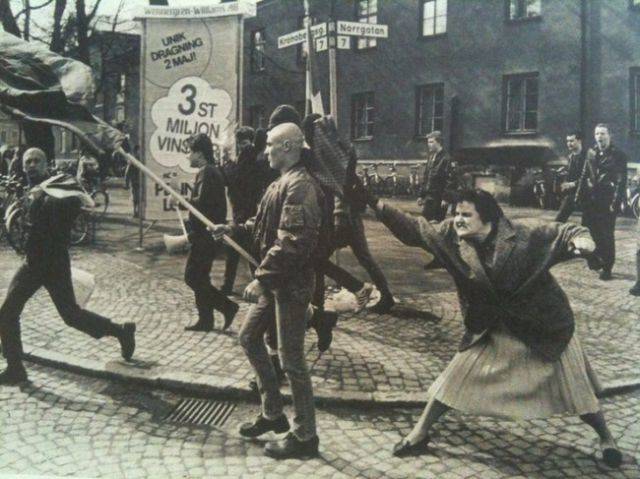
x=635 y=290
x=13 y=376
x=605 y=275
x=384 y=305
x=405 y=449
x=263 y=425
x=611 y=456
x=127 y=340
x=292 y=447
x=324 y=324
x=204 y=326
x=230 y=315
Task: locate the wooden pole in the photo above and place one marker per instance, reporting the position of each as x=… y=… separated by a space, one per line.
x=178 y=197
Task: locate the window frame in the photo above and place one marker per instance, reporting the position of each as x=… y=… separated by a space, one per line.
x=634 y=100
x=368 y=106
x=371 y=43
x=527 y=18
x=255 y=66
x=523 y=111
x=419 y=90
x=421 y=33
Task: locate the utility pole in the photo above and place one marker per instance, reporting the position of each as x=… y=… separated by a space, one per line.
x=333 y=64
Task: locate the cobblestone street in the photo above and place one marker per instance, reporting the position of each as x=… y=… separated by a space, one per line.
x=376 y=365
x=67 y=425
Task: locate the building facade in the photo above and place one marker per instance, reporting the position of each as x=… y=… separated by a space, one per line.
x=482 y=71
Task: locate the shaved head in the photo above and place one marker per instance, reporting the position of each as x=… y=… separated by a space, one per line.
x=34 y=164
x=284 y=145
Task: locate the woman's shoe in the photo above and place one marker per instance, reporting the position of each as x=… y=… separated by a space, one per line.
x=404 y=448
x=611 y=455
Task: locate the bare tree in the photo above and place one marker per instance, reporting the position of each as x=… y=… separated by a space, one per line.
x=8 y=20
x=57 y=39
x=83 y=22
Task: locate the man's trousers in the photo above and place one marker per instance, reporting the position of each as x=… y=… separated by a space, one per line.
x=602 y=225
x=55 y=276
x=291 y=306
x=197 y=276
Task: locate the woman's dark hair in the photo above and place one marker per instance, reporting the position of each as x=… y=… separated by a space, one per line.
x=260 y=140
x=486 y=205
x=201 y=142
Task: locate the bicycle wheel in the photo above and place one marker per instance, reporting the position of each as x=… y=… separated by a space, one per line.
x=16 y=231
x=80 y=228
x=101 y=199
x=635 y=206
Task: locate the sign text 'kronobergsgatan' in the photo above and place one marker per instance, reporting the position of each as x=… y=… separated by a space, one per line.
x=300 y=36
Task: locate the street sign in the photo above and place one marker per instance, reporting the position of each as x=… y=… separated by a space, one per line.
x=321 y=44
x=360 y=29
x=300 y=36
x=344 y=42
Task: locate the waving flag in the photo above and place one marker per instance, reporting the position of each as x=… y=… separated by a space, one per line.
x=41 y=86
x=65 y=186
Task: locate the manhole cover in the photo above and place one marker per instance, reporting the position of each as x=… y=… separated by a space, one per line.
x=202 y=412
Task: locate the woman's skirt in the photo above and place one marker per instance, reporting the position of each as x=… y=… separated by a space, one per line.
x=500 y=376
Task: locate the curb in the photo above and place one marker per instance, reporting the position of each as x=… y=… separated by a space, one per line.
x=208 y=386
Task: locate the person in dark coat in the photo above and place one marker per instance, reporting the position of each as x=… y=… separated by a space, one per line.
x=49 y=222
x=519 y=357
x=287 y=231
x=439 y=182
x=569 y=186
x=208 y=196
x=605 y=183
x=245 y=186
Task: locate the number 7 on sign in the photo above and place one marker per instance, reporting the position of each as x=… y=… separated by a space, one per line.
x=344 y=42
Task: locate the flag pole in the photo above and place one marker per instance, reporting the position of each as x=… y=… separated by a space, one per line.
x=192 y=209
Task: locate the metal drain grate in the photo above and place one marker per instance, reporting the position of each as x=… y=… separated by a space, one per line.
x=202 y=412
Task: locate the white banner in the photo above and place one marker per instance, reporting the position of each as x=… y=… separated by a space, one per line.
x=240 y=7
x=190 y=80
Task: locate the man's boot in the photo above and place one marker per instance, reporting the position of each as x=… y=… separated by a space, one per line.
x=324 y=322
x=13 y=375
x=635 y=290
x=204 y=324
x=127 y=340
x=230 y=315
x=292 y=447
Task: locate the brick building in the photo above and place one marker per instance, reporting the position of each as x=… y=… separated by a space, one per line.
x=485 y=72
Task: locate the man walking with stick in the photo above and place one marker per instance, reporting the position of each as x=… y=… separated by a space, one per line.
x=208 y=197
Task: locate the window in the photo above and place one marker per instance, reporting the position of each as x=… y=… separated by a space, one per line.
x=258 y=43
x=634 y=83
x=367 y=13
x=524 y=9
x=429 y=108
x=362 y=116
x=256 y=116
x=521 y=103
x=434 y=17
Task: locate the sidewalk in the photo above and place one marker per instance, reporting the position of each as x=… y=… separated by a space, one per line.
x=389 y=359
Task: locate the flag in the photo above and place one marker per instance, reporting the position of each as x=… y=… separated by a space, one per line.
x=65 y=186
x=331 y=157
x=41 y=86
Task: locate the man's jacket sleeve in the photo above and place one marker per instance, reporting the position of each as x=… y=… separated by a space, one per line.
x=297 y=236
